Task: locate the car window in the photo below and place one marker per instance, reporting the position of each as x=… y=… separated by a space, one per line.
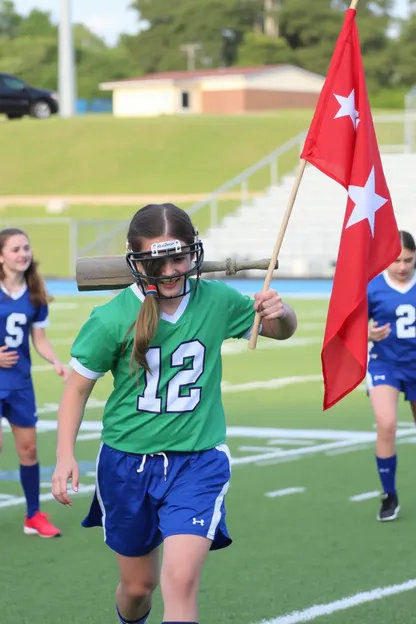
x=10 y=82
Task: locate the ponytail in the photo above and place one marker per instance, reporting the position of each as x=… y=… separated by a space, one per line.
x=145 y=328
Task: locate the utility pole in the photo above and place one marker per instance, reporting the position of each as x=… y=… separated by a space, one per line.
x=271 y=18
x=191 y=50
x=66 y=62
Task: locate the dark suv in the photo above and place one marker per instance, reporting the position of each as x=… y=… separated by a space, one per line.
x=18 y=99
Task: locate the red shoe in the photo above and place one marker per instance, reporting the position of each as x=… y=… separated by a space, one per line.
x=40 y=525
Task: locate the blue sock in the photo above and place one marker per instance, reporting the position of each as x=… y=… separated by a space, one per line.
x=387 y=472
x=139 y=621
x=30 y=480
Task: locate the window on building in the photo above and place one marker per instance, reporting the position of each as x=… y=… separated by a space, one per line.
x=186 y=100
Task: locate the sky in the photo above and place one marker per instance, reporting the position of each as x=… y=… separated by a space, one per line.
x=109 y=18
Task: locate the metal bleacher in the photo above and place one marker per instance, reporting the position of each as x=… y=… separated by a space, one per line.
x=311 y=241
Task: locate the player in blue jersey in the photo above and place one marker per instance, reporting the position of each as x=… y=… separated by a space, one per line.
x=23 y=314
x=392 y=361
x=164 y=468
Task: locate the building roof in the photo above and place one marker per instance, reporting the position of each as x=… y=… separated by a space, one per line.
x=172 y=76
x=202 y=73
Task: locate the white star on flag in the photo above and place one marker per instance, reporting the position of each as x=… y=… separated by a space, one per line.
x=366 y=201
x=348 y=108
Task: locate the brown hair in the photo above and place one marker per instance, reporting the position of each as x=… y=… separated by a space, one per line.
x=407 y=240
x=36 y=286
x=152 y=221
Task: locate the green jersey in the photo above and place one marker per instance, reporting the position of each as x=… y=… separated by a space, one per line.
x=178 y=406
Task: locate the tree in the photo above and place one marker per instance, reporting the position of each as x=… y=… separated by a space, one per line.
x=10 y=20
x=258 y=49
x=405 y=52
x=313 y=33
x=37 y=24
x=172 y=23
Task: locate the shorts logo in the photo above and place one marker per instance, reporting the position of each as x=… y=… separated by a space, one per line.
x=195 y=521
x=379 y=377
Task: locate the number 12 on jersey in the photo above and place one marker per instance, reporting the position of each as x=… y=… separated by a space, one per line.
x=179 y=397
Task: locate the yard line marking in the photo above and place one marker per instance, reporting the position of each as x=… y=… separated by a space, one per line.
x=6 y=497
x=308 y=615
x=411 y=440
x=271 y=384
x=285 y=492
x=362 y=497
x=89 y=436
x=278 y=460
x=235 y=348
x=321 y=434
x=262 y=449
x=351 y=449
x=308 y=450
x=291 y=441
x=20 y=500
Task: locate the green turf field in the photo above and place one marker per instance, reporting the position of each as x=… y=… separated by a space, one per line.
x=299 y=541
x=99 y=154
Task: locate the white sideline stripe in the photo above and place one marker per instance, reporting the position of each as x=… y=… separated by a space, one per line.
x=286 y=492
x=308 y=615
x=20 y=500
x=362 y=497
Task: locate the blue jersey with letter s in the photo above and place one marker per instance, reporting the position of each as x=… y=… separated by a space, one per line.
x=394 y=304
x=17 y=317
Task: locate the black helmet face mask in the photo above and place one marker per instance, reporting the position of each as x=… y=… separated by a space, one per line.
x=153 y=260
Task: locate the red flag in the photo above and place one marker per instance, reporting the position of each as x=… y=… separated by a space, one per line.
x=342 y=144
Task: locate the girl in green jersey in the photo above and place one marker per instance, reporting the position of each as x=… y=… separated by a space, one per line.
x=163 y=468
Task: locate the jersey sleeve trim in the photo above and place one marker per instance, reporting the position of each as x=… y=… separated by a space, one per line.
x=41 y=324
x=84 y=371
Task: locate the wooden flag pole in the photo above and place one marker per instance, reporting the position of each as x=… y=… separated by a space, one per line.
x=273 y=260
x=257 y=319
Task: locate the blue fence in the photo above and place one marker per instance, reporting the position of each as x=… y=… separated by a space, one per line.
x=102 y=105
x=297 y=288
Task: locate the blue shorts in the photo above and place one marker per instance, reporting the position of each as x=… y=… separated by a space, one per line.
x=382 y=373
x=19 y=407
x=140 y=500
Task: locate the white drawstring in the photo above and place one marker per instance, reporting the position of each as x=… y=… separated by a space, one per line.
x=165 y=462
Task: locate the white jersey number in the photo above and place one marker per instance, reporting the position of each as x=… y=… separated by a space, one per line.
x=179 y=397
x=14 y=331
x=405 y=327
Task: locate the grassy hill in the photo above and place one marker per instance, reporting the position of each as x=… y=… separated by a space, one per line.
x=103 y=155
x=100 y=155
